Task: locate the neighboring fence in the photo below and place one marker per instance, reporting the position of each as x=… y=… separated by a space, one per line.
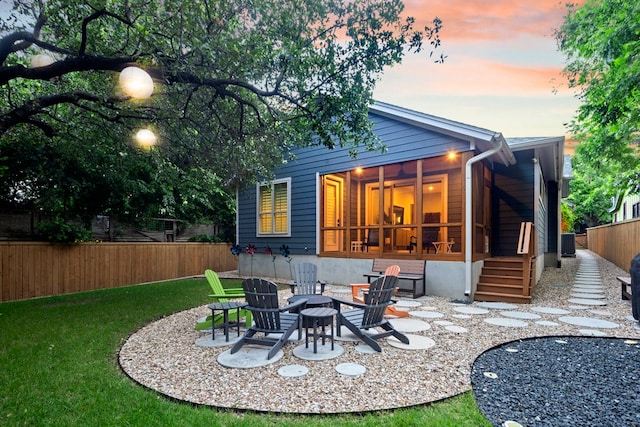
x=617 y=243
x=33 y=269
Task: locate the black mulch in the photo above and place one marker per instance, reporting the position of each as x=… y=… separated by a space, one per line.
x=560 y=381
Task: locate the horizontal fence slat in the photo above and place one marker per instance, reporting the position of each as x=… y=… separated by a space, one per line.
x=618 y=242
x=37 y=269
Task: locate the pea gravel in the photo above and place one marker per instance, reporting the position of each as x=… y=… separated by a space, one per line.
x=163 y=356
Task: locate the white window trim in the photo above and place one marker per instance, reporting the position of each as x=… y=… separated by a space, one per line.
x=272 y=184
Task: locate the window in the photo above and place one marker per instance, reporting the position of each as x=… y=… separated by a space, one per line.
x=273 y=204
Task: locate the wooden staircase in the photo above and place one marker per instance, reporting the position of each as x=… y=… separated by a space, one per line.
x=501 y=280
x=510 y=279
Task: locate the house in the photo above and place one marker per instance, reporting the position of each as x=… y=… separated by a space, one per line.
x=451 y=194
x=625 y=206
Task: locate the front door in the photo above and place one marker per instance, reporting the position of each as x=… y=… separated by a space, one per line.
x=333 y=187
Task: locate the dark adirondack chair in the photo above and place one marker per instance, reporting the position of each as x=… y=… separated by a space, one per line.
x=370 y=314
x=306 y=279
x=268 y=318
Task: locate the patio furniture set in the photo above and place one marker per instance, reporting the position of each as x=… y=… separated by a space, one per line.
x=270 y=325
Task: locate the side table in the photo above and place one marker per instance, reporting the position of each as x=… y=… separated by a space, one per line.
x=225 y=307
x=318 y=318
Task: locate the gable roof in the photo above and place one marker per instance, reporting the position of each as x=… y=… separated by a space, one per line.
x=480 y=138
x=549 y=151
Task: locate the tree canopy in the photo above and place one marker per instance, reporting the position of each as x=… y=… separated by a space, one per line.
x=238 y=84
x=601 y=40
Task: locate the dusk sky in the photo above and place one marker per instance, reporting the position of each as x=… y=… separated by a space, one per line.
x=502 y=72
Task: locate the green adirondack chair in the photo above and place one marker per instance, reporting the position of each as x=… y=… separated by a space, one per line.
x=221 y=294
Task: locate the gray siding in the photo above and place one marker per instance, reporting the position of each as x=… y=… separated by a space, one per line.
x=404 y=142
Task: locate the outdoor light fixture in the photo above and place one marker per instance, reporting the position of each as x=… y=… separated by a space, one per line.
x=136 y=83
x=358 y=170
x=41 y=60
x=451 y=155
x=146 y=138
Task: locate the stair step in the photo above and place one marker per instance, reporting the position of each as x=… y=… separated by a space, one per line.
x=503 y=263
x=500 y=288
x=500 y=297
x=505 y=280
x=500 y=271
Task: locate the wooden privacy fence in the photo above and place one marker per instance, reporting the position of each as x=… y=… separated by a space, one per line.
x=617 y=243
x=34 y=269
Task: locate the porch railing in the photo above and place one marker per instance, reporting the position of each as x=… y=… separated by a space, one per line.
x=527 y=248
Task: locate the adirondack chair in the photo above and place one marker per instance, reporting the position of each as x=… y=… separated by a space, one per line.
x=269 y=318
x=221 y=294
x=356 y=289
x=370 y=314
x=306 y=281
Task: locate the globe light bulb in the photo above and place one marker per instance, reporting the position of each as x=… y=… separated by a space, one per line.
x=146 y=138
x=136 y=83
x=41 y=60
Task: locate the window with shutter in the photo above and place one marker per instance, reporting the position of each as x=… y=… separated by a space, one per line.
x=273 y=204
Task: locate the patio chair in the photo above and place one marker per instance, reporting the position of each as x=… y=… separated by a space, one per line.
x=370 y=315
x=306 y=279
x=221 y=294
x=262 y=296
x=356 y=289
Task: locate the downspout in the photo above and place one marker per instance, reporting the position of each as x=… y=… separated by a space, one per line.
x=498 y=142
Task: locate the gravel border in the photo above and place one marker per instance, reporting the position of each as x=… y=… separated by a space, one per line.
x=163 y=356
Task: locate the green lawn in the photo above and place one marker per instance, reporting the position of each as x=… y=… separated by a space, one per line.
x=58 y=367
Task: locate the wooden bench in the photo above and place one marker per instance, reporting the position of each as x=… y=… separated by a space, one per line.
x=625 y=283
x=410 y=269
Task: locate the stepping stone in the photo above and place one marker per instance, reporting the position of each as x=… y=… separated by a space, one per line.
x=351 y=369
x=587 y=283
x=324 y=351
x=587 y=295
x=589 y=322
x=406 y=303
x=292 y=371
x=498 y=305
x=582 y=301
x=579 y=307
x=409 y=325
x=520 y=315
x=509 y=323
x=550 y=310
x=207 y=341
x=365 y=349
x=426 y=314
x=601 y=313
x=456 y=329
x=348 y=336
x=249 y=356
x=471 y=310
x=461 y=316
x=588 y=289
x=547 y=323
x=416 y=342
x=442 y=322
